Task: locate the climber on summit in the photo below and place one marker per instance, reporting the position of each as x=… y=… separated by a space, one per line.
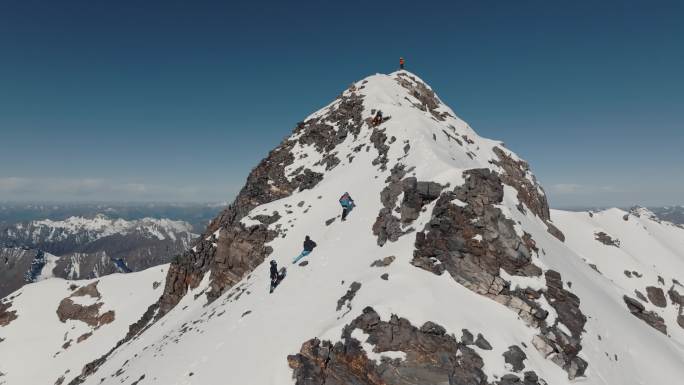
x=308 y=248
x=401 y=63
x=347 y=205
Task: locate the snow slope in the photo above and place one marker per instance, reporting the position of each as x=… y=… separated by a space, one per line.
x=38 y=348
x=246 y=335
x=650 y=251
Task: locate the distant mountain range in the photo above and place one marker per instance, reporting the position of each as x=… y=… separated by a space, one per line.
x=197 y=214
x=76 y=241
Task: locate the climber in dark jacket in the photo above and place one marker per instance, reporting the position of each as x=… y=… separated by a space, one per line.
x=274 y=272
x=308 y=248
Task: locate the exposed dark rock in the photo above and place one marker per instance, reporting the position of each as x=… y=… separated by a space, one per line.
x=378 y=138
x=576 y=367
x=517 y=174
x=565 y=303
x=640 y=295
x=7 y=316
x=482 y=343
x=467 y=337
x=447 y=243
x=553 y=230
x=427 y=100
x=90 y=290
x=387 y=227
x=348 y=296
x=675 y=297
x=595 y=268
x=329 y=221
x=638 y=310
x=303 y=263
x=90 y=314
x=238 y=252
x=447 y=240
x=509 y=379
x=383 y=262
x=656 y=296
x=432 y=328
x=606 y=239
x=416 y=195
x=628 y=273
x=385 y=276
x=84 y=337
x=432 y=357
x=515 y=357
x=68 y=310
x=268 y=219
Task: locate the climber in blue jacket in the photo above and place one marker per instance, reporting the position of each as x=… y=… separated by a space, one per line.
x=308 y=248
x=347 y=205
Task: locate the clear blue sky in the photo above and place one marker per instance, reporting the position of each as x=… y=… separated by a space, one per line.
x=178 y=100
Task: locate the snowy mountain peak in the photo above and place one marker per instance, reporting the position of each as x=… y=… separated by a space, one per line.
x=447 y=269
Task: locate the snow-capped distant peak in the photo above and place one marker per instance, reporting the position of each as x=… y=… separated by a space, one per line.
x=101 y=226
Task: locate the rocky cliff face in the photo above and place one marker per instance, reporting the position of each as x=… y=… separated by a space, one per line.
x=395 y=352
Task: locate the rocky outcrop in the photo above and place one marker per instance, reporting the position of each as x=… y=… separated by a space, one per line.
x=427 y=99
x=656 y=296
x=413 y=356
x=606 y=239
x=449 y=243
x=514 y=356
x=416 y=194
x=6 y=315
x=90 y=314
x=651 y=318
x=383 y=262
x=473 y=241
x=516 y=173
x=348 y=296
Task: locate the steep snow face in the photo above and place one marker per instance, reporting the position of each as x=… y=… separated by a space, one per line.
x=450 y=239
x=48 y=340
